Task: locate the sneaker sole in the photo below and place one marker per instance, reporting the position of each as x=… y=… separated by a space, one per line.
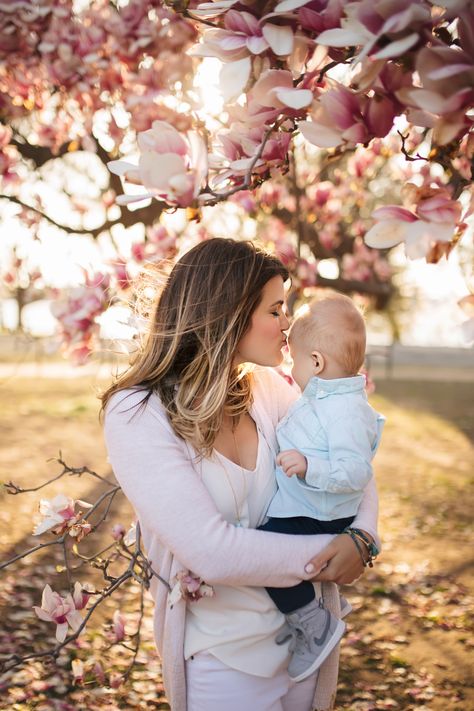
x=335 y=639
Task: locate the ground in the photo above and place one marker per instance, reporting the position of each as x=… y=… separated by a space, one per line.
x=409 y=638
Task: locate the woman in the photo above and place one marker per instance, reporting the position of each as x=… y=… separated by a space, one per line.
x=190 y=433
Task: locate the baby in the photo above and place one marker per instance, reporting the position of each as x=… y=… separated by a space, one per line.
x=327 y=442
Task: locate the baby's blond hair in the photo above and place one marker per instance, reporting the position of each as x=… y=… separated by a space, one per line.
x=334 y=326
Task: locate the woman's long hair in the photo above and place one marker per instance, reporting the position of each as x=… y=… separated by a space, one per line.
x=199 y=317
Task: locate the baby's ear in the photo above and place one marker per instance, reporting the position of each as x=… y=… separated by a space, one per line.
x=318 y=362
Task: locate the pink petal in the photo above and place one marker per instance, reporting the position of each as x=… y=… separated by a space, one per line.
x=241 y=21
x=271 y=79
x=279 y=37
x=394 y=212
x=342 y=106
x=162 y=138
x=320 y=135
x=156 y=173
x=233 y=42
x=42 y=614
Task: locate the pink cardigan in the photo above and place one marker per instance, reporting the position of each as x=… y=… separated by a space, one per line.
x=182 y=529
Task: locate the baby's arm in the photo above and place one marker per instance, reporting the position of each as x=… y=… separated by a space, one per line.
x=348 y=467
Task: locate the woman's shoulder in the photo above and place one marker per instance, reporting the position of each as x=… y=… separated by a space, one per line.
x=127 y=402
x=272 y=391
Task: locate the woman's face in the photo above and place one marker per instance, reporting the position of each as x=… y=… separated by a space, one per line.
x=265 y=338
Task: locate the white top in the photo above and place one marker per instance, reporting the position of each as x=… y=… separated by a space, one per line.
x=239 y=623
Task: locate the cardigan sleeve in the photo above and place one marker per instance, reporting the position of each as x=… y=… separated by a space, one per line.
x=156 y=473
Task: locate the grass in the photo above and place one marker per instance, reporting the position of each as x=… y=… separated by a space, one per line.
x=409 y=639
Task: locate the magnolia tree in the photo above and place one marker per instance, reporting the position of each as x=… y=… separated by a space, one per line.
x=344 y=129
x=312 y=93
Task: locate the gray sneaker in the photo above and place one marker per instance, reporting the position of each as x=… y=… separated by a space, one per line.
x=315 y=633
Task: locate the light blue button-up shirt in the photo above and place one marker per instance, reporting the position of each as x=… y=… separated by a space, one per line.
x=338 y=432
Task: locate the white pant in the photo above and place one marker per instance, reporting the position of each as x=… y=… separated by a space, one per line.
x=213 y=686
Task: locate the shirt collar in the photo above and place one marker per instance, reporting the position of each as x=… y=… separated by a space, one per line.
x=319 y=387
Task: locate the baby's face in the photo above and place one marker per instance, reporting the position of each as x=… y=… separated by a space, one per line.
x=303 y=366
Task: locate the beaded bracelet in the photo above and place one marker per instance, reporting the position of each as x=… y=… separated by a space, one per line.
x=357 y=535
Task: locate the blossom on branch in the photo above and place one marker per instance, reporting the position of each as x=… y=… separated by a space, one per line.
x=60 y=610
x=434 y=221
x=190 y=587
x=171 y=167
x=59 y=515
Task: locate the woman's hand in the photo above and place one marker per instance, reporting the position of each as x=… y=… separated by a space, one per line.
x=339 y=562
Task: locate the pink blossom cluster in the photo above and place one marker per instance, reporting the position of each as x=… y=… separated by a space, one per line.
x=63 y=611
x=190 y=587
x=426 y=231
x=59 y=515
x=74 y=62
x=77 y=313
x=275 y=59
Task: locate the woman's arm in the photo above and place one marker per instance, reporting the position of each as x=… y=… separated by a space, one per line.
x=340 y=561
x=158 y=478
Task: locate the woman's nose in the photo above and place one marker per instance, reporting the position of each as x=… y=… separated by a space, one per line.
x=285 y=324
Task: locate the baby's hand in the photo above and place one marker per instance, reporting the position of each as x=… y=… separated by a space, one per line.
x=292 y=462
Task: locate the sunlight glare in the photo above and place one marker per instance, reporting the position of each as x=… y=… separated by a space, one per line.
x=206 y=82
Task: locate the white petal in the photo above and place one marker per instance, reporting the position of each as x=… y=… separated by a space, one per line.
x=279 y=37
x=427 y=100
x=61 y=632
x=448 y=71
x=386 y=234
x=127 y=199
x=319 y=135
x=120 y=167
x=175 y=595
x=244 y=164
x=211 y=9
x=233 y=78
x=156 y=171
x=288 y=5
x=395 y=49
x=339 y=37
x=295 y=98
x=45 y=525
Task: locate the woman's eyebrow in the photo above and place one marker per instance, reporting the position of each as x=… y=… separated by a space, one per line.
x=277 y=303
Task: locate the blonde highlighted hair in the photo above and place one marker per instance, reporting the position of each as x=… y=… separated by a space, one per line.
x=199 y=317
x=335 y=326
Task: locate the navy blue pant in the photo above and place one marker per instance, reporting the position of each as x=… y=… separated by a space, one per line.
x=290 y=599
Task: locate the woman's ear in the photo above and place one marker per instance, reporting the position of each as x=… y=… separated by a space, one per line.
x=318 y=362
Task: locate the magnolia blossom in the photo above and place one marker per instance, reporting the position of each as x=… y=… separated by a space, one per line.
x=59 y=515
x=433 y=221
x=77 y=668
x=399 y=23
x=118 y=627
x=171 y=168
x=60 y=610
x=190 y=587
x=342 y=116
x=130 y=538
